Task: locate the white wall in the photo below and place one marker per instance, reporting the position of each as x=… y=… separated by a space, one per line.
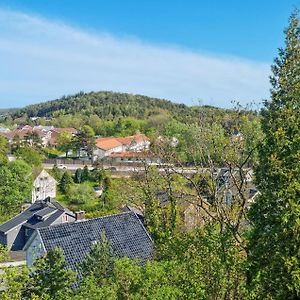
x=43 y=186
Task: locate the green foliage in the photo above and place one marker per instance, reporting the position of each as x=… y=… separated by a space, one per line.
x=80 y=194
x=85 y=176
x=15 y=185
x=78 y=175
x=274 y=240
x=49 y=278
x=15 y=281
x=210 y=264
x=98 y=175
x=29 y=155
x=57 y=173
x=121 y=114
x=3 y=253
x=65 y=142
x=99 y=262
x=51 y=152
x=65 y=182
x=3 y=150
x=85 y=140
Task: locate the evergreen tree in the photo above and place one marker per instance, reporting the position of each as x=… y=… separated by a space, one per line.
x=107 y=183
x=65 y=182
x=49 y=278
x=57 y=173
x=85 y=174
x=78 y=176
x=274 y=246
x=99 y=262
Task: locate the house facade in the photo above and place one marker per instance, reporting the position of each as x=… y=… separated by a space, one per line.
x=109 y=145
x=44 y=185
x=106 y=146
x=15 y=232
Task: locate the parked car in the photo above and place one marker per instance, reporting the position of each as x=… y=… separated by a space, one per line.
x=62 y=167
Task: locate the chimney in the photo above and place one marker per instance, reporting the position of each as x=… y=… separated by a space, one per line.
x=25 y=206
x=80 y=215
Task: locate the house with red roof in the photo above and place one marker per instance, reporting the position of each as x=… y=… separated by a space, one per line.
x=109 y=145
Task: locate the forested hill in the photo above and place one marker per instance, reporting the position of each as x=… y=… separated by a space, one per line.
x=103 y=104
x=109 y=105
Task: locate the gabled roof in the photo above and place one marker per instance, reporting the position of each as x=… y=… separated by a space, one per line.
x=31 y=218
x=133 y=138
x=44 y=173
x=126 y=233
x=107 y=143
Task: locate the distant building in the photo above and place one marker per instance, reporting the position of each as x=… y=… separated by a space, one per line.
x=108 y=145
x=15 y=232
x=125 y=231
x=44 y=185
x=47 y=134
x=229 y=188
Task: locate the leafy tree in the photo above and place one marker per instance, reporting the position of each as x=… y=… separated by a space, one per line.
x=274 y=242
x=15 y=281
x=34 y=140
x=65 y=182
x=78 y=175
x=50 y=278
x=65 y=142
x=86 y=139
x=99 y=262
x=98 y=175
x=15 y=185
x=16 y=143
x=107 y=183
x=81 y=194
x=85 y=174
x=57 y=173
x=3 y=150
x=29 y=155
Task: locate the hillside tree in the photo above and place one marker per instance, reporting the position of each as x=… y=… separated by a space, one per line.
x=275 y=238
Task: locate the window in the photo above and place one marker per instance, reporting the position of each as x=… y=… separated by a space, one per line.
x=65 y=218
x=228 y=198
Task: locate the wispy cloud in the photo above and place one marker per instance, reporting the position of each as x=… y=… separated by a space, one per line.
x=42 y=59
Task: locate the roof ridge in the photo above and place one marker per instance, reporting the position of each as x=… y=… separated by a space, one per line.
x=87 y=220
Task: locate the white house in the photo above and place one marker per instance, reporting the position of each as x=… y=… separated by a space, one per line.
x=135 y=143
x=107 y=146
x=44 y=186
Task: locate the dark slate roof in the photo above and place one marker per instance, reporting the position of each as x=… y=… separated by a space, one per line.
x=46 y=209
x=35 y=222
x=125 y=231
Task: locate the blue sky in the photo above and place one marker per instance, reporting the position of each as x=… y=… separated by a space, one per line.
x=209 y=52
